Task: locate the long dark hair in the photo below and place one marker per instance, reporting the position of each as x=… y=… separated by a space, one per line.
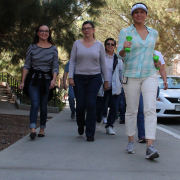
x=36 y=37
x=91 y=23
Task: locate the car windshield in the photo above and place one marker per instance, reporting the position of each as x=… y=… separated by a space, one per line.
x=173 y=82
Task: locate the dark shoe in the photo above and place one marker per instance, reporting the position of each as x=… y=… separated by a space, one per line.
x=41 y=135
x=90 y=139
x=81 y=130
x=73 y=115
x=121 y=122
x=33 y=135
x=142 y=140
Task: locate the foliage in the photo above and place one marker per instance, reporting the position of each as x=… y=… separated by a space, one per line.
x=19 y=19
x=13 y=83
x=116 y=15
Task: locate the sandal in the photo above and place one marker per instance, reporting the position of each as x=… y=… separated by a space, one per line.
x=33 y=135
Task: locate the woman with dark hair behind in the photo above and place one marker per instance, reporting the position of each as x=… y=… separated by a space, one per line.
x=140 y=76
x=41 y=62
x=86 y=63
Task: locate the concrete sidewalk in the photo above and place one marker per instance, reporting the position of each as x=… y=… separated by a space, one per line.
x=64 y=155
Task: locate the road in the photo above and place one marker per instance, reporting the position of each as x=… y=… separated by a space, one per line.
x=173 y=123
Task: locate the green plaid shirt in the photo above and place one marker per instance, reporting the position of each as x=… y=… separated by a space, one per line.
x=139 y=62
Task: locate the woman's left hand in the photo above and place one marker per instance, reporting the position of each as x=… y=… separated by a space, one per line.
x=105 y=85
x=52 y=85
x=165 y=85
x=158 y=64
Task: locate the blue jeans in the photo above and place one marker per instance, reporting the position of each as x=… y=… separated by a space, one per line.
x=105 y=111
x=140 y=119
x=122 y=105
x=86 y=89
x=113 y=105
x=71 y=99
x=38 y=99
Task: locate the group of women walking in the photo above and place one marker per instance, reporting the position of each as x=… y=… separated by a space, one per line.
x=95 y=73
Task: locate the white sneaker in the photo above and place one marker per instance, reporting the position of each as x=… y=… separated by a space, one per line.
x=98 y=126
x=104 y=120
x=130 y=147
x=151 y=152
x=110 y=130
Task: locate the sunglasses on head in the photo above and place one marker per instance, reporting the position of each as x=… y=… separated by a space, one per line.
x=109 y=44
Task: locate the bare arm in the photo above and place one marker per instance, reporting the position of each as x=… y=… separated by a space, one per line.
x=24 y=74
x=163 y=74
x=52 y=85
x=64 y=79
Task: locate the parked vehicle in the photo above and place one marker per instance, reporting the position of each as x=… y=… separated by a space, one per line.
x=168 y=102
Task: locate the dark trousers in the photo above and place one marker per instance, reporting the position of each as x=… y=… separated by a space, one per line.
x=86 y=89
x=122 y=105
x=71 y=99
x=113 y=105
x=105 y=111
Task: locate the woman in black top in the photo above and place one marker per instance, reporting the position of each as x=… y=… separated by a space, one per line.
x=41 y=62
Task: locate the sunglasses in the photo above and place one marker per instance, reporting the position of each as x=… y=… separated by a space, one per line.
x=109 y=44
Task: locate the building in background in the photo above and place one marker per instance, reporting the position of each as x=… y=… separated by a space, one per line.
x=174 y=69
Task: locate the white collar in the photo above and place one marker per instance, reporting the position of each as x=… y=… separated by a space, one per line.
x=107 y=55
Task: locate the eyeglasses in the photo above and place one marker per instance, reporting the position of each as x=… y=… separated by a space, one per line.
x=43 y=31
x=109 y=44
x=88 y=28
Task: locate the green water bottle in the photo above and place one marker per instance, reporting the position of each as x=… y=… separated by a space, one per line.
x=128 y=38
x=156 y=59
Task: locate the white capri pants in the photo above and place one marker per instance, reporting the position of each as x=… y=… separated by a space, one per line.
x=148 y=86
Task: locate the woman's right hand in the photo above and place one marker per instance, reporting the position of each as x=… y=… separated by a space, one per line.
x=65 y=86
x=127 y=44
x=21 y=86
x=71 y=82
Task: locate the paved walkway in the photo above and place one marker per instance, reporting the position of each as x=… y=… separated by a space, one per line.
x=64 y=155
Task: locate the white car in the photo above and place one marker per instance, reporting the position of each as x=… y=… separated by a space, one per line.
x=168 y=103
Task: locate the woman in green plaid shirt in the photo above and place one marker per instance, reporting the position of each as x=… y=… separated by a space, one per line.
x=140 y=76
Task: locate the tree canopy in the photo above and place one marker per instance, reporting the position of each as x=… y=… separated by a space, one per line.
x=19 y=19
x=116 y=15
